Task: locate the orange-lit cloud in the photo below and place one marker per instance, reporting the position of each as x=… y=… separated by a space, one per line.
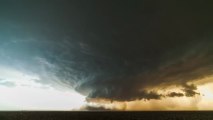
x=202 y=101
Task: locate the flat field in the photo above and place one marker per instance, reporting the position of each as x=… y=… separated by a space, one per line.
x=95 y=115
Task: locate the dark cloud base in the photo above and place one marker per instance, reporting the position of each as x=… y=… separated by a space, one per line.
x=94 y=108
x=110 y=49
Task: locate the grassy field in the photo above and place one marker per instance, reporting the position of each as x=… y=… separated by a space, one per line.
x=163 y=115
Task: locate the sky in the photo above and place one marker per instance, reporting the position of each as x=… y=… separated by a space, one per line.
x=106 y=55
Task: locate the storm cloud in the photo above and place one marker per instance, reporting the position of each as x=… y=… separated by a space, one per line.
x=112 y=50
x=93 y=108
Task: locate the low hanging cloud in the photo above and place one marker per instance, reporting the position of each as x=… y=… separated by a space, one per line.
x=118 y=54
x=175 y=94
x=94 y=108
x=190 y=90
